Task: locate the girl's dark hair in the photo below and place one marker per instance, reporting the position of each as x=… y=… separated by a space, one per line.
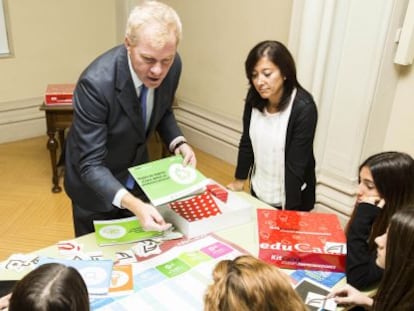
x=50 y=287
x=279 y=55
x=396 y=290
x=393 y=176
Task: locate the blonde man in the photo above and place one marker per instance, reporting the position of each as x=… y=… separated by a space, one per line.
x=121 y=98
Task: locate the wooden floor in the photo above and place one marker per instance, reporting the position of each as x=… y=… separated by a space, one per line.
x=33 y=217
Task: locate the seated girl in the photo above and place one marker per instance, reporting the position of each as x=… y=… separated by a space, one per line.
x=386 y=182
x=395 y=255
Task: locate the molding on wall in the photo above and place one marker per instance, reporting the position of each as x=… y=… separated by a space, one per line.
x=21 y=119
x=210 y=132
x=335 y=195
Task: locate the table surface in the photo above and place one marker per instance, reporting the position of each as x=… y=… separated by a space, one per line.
x=246 y=236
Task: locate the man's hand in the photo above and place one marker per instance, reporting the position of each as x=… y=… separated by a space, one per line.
x=151 y=219
x=236 y=185
x=188 y=154
x=148 y=216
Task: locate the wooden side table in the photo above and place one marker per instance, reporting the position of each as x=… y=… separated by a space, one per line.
x=58 y=119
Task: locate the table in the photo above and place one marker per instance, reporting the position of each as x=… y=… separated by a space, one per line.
x=58 y=119
x=245 y=235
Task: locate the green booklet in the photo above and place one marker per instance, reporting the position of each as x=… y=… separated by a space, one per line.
x=167 y=180
x=120 y=231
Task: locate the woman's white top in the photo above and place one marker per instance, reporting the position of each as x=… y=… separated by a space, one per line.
x=268 y=137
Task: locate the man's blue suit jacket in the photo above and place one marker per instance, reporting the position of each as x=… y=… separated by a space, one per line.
x=107 y=135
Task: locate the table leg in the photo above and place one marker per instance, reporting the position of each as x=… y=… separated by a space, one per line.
x=52 y=145
x=61 y=161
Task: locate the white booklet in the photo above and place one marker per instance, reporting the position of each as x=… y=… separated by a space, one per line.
x=314 y=295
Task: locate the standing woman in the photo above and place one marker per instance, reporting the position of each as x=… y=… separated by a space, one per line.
x=386 y=183
x=279 y=122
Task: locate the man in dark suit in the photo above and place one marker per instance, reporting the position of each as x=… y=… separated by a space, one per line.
x=110 y=126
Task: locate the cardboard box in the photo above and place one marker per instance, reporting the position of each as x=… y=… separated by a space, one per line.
x=301 y=240
x=59 y=94
x=220 y=215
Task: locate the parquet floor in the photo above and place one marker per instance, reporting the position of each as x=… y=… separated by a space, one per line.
x=33 y=217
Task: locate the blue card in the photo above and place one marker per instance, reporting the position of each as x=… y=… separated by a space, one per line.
x=96 y=273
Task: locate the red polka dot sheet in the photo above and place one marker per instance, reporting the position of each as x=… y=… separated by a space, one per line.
x=213 y=210
x=196 y=208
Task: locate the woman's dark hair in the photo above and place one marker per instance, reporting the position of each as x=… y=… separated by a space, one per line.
x=279 y=55
x=396 y=290
x=393 y=176
x=50 y=287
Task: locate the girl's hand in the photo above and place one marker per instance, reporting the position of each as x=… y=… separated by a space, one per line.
x=374 y=200
x=4 y=301
x=349 y=295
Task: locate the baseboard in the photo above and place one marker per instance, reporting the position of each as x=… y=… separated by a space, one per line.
x=21 y=120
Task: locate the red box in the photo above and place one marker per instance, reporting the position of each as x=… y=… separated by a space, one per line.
x=218 y=191
x=59 y=94
x=301 y=240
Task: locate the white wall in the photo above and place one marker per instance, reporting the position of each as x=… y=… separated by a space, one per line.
x=400 y=131
x=53 y=41
x=217 y=36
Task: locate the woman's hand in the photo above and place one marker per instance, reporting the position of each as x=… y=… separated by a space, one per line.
x=374 y=200
x=4 y=301
x=349 y=295
x=236 y=185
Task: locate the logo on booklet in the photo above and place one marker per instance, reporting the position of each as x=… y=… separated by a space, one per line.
x=112 y=232
x=182 y=174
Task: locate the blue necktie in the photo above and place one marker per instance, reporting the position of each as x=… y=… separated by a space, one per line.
x=143 y=100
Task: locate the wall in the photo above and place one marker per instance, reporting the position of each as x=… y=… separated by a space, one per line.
x=53 y=41
x=400 y=134
x=217 y=36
